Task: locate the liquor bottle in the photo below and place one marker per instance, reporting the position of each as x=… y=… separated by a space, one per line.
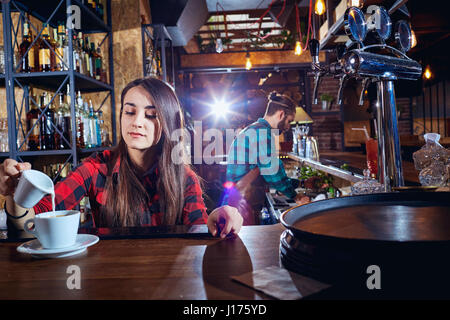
x=98 y=63
x=88 y=57
x=101 y=63
x=79 y=120
x=97 y=8
x=59 y=121
x=76 y=54
x=32 y=118
x=101 y=11
x=45 y=54
x=53 y=44
x=79 y=50
x=60 y=59
x=35 y=48
x=80 y=54
x=63 y=124
x=27 y=58
x=101 y=128
x=66 y=54
x=87 y=125
x=67 y=122
x=47 y=124
x=96 y=133
x=85 y=118
x=85 y=56
x=98 y=129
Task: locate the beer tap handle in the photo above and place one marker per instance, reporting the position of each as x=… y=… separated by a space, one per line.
x=314 y=49
x=365 y=85
x=342 y=81
x=317 y=78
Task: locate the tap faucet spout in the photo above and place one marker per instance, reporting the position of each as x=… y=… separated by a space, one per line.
x=342 y=81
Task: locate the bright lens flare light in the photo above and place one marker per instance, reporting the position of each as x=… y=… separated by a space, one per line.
x=298 y=48
x=319 y=8
x=427 y=74
x=219 y=108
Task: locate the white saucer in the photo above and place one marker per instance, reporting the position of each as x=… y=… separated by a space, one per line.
x=35 y=248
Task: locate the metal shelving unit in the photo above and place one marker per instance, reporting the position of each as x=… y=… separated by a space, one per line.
x=52 y=11
x=156 y=39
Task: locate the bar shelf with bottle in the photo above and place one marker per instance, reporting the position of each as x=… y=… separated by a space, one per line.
x=93 y=13
x=67 y=70
x=42 y=55
x=157 y=53
x=52 y=80
x=52 y=133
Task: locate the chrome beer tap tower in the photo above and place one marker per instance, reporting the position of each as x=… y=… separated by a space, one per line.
x=379 y=63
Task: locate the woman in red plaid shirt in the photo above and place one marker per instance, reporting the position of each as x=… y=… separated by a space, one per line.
x=140 y=182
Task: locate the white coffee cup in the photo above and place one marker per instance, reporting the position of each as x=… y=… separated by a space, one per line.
x=32 y=187
x=55 y=229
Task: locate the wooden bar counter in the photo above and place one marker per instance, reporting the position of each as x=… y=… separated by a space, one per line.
x=151 y=268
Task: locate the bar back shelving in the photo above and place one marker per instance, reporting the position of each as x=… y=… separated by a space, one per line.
x=53 y=12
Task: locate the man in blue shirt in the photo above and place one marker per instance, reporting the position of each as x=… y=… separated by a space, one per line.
x=253 y=164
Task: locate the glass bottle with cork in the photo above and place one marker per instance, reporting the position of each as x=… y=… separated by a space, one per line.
x=60 y=59
x=63 y=124
x=26 y=51
x=47 y=123
x=98 y=62
x=45 y=54
x=33 y=125
x=81 y=143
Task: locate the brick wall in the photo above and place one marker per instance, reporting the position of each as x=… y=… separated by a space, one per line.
x=328 y=131
x=328 y=127
x=328 y=86
x=404 y=122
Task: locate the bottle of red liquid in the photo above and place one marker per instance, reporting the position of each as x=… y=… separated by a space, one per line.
x=372 y=156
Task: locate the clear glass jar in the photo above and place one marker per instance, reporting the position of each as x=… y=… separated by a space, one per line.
x=367 y=185
x=436 y=174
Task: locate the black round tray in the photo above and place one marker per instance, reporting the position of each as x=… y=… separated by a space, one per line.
x=406 y=235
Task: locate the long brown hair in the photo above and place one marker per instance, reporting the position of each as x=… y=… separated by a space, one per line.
x=126 y=195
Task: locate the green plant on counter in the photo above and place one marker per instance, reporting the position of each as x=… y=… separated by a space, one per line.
x=322 y=181
x=326 y=97
x=345 y=167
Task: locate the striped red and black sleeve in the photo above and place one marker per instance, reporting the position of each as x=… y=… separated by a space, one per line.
x=70 y=191
x=194 y=210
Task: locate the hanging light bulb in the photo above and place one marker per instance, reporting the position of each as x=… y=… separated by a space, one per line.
x=427 y=73
x=413 y=39
x=298 y=48
x=219 y=45
x=248 y=63
x=319 y=8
